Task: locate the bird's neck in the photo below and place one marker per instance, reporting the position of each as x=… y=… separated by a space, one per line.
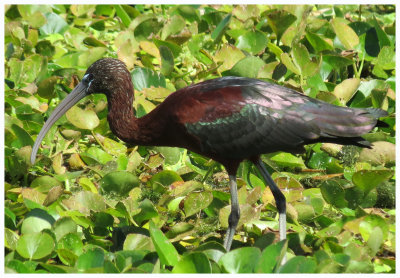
x=123 y=122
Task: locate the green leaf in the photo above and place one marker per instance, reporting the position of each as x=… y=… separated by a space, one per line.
x=145 y=78
x=386 y=58
x=279 y=20
x=90 y=259
x=252 y=41
x=36 y=220
x=247 y=67
x=375 y=240
x=23 y=137
x=35 y=246
x=175 y=25
x=241 y=260
x=164 y=178
x=346 y=34
x=368 y=224
x=333 y=193
x=123 y=15
x=119 y=183
x=196 y=202
x=46 y=87
x=113 y=147
x=83 y=119
x=301 y=59
x=271 y=257
x=346 y=90
x=138 y=242
x=195 y=262
x=219 y=31
x=318 y=43
x=369 y=179
x=167 y=60
x=287 y=61
x=55 y=25
x=165 y=250
x=71 y=242
x=63 y=226
x=299 y=264
x=147 y=211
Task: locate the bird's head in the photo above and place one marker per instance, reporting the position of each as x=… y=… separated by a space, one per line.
x=103 y=76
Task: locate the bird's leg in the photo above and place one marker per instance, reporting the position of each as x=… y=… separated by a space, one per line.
x=235 y=213
x=280 y=199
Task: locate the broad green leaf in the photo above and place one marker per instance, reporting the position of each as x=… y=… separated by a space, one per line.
x=375 y=240
x=318 y=43
x=71 y=242
x=175 y=24
x=123 y=15
x=369 y=222
x=241 y=260
x=279 y=20
x=165 y=250
x=228 y=55
x=381 y=153
x=287 y=61
x=271 y=257
x=346 y=34
x=369 y=179
x=83 y=119
x=252 y=41
x=55 y=24
x=46 y=87
x=113 y=147
x=179 y=228
x=218 y=32
x=63 y=226
x=118 y=183
x=36 y=220
x=386 y=58
x=147 y=211
x=35 y=246
x=333 y=193
x=299 y=264
x=145 y=78
x=167 y=60
x=90 y=259
x=195 y=262
x=346 y=90
x=196 y=202
x=138 y=242
x=247 y=67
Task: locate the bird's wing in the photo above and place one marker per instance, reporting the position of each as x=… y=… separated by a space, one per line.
x=254 y=117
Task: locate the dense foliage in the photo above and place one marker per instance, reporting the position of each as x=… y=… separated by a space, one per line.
x=93 y=204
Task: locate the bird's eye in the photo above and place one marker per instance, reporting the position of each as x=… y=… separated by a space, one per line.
x=87 y=78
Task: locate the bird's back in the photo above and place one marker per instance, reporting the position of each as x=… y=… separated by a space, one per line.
x=238 y=118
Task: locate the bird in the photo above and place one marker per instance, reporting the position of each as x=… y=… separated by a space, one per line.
x=228 y=119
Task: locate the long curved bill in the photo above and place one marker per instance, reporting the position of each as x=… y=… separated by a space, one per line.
x=76 y=95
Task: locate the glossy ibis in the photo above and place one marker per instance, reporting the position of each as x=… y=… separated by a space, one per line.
x=228 y=119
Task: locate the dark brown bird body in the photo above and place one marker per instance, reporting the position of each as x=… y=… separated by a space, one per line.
x=228 y=119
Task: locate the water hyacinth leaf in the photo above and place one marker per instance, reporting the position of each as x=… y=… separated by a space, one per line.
x=299 y=264
x=113 y=147
x=375 y=240
x=241 y=260
x=44 y=183
x=33 y=14
x=63 y=226
x=381 y=153
x=35 y=246
x=145 y=78
x=386 y=58
x=36 y=220
x=119 y=183
x=346 y=34
x=147 y=211
x=24 y=139
x=247 y=67
x=83 y=119
x=165 y=250
x=279 y=21
x=346 y=90
x=123 y=15
x=165 y=178
x=167 y=60
x=196 y=202
x=55 y=25
x=369 y=179
x=369 y=222
x=229 y=55
x=85 y=201
x=195 y=262
x=252 y=41
x=71 y=242
x=138 y=242
x=317 y=42
x=95 y=155
x=173 y=26
x=271 y=257
x=90 y=259
x=333 y=193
